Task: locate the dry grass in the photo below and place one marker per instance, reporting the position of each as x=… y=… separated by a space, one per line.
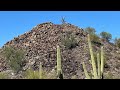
x=31 y=74
x=3 y=76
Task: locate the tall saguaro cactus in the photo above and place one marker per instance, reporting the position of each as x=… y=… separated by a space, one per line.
x=92 y=58
x=97 y=72
x=59 y=68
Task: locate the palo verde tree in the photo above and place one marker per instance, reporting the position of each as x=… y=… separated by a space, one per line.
x=14 y=57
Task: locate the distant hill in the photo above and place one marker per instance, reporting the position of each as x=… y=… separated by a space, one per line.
x=40 y=46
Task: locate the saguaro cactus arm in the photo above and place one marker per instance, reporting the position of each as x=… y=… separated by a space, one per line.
x=92 y=58
x=40 y=71
x=98 y=63
x=97 y=72
x=102 y=61
x=85 y=71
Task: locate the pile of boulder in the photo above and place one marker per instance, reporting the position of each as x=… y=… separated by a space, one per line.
x=40 y=46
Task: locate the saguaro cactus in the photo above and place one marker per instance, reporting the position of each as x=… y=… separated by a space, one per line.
x=102 y=62
x=98 y=64
x=59 y=68
x=97 y=71
x=85 y=71
x=40 y=71
x=92 y=58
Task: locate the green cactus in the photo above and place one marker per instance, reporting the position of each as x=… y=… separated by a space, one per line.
x=40 y=71
x=98 y=63
x=92 y=58
x=59 y=68
x=86 y=73
x=97 y=72
x=102 y=61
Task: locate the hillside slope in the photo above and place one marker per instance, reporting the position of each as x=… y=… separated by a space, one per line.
x=40 y=46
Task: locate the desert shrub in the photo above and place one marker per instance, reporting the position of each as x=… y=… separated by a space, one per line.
x=14 y=57
x=93 y=37
x=3 y=76
x=90 y=30
x=69 y=41
x=31 y=74
x=117 y=42
x=105 y=35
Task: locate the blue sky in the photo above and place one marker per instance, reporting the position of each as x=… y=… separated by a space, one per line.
x=14 y=23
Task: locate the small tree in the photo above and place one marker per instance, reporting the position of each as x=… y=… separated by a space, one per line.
x=14 y=57
x=90 y=30
x=105 y=35
x=63 y=20
x=94 y=37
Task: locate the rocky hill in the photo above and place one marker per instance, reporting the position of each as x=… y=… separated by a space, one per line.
x=40 y=46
